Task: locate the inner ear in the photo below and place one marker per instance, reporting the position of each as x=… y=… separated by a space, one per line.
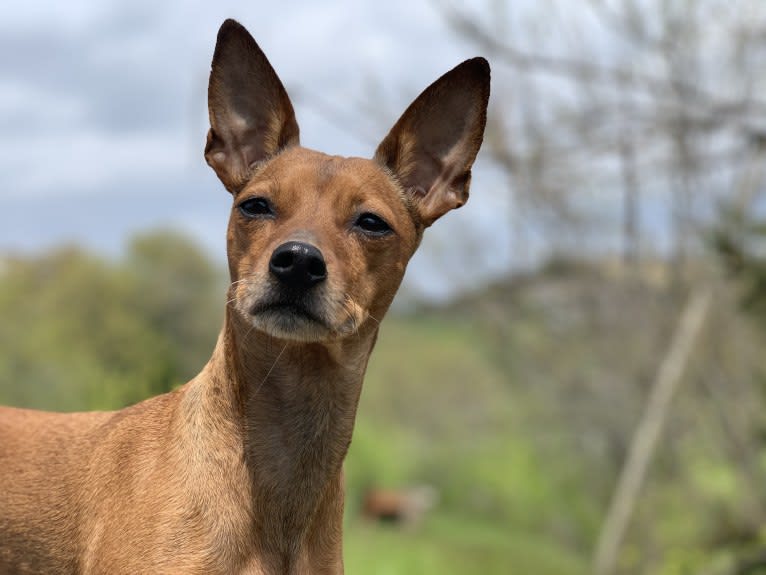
x=251 y=116
x=432 y=147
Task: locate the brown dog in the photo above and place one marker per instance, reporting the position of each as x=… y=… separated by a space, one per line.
x=239 y=470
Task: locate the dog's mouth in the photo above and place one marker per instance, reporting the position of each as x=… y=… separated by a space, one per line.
x=290 y=319
x=293 y=309
x=319 y=316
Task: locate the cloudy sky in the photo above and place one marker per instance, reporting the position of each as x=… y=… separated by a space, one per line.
x=103 y=112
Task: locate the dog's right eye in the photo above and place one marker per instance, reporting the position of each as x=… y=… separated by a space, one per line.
x=256 y=207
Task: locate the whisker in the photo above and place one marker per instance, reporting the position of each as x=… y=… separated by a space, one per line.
x=348 y=300
x=372 y=317
x=268 y=373
x=347 y=305
x=351 y=318
x=235 y=283
x=247 y=333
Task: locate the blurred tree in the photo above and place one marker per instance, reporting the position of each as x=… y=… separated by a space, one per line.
x=740 y=241
x=180 y=293
x=79 y=332
x=654 y=100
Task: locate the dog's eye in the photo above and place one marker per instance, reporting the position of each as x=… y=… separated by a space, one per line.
x=255 y=207
x=372 y=225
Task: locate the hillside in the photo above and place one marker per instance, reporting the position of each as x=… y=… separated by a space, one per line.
x=517 y=403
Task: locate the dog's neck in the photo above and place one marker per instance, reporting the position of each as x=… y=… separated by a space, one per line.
x=298 y=401
x=292 y=406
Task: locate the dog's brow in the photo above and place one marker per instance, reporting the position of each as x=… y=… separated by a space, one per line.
x=365 y=184
x=274 y=182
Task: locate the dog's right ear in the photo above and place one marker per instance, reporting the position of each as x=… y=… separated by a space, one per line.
x=251 y=117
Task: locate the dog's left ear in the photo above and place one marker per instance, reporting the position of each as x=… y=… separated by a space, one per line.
x=433 y=145
x=251 y=117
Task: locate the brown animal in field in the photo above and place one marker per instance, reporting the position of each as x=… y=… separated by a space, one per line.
x=240 y=470
x=404 y=507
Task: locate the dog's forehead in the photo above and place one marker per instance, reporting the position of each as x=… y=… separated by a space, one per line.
x=303 y=168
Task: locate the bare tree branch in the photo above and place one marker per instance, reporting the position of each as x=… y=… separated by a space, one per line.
x=648 y=433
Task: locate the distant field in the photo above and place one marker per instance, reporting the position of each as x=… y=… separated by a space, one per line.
x=435 y=410
x=518 y=404
x=452 y=545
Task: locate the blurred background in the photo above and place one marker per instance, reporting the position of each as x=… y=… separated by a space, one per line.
x=573 y=378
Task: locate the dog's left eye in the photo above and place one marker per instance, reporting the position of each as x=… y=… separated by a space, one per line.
x=372 y=225
x=255 y=207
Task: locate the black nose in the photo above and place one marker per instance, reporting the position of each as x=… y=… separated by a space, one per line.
x=298 y=265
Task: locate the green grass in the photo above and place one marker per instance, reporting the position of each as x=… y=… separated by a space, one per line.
x=451 y=545
x=435 y=410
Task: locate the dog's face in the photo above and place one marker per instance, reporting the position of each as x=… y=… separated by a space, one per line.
x=318 y=244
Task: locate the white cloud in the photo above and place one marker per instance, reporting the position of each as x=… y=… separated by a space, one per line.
x=86 y=162
x=26 y=108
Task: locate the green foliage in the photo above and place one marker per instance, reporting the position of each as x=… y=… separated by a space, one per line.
x=740 y=242
x=180 y=293
x=435 y=411
x=80 y=332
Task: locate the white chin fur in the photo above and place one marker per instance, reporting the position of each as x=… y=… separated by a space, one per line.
x=292 y=327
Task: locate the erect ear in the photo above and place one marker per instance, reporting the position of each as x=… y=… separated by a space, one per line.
x=433 y=145
x=251 y=117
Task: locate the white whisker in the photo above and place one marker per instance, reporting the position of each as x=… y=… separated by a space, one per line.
x=373 y=318
x=347 y=305
x=268 y=373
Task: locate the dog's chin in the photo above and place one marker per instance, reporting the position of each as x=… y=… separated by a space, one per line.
x=292 y=323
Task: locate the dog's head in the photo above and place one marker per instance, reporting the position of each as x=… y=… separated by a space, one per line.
x=318 y=244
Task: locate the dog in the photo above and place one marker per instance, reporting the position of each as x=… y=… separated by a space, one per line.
x=240 y=469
